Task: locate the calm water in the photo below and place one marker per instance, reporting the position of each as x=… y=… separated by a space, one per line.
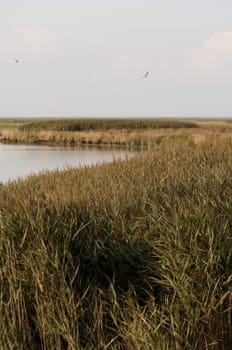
x=22 y=160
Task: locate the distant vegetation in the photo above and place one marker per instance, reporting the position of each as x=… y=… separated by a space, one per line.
x=131 y=133
x=134 y=254
x=104 y=124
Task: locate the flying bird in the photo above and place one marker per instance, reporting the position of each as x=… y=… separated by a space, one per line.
x=16 y=60
x=145 y=75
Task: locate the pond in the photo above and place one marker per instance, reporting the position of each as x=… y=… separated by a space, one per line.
x=22 y=160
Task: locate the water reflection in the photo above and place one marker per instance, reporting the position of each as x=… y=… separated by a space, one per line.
x=22 y=160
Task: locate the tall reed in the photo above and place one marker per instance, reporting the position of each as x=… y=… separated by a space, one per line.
x=134 y=254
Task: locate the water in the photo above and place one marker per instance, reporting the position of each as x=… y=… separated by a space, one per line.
x=22 y=160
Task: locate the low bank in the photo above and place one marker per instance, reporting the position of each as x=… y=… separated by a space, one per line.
x=127 y=133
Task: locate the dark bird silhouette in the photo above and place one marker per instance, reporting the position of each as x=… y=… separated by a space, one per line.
x=145 y=75
x=16 y=60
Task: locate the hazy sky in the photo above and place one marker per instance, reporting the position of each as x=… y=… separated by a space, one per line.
x=86 y=58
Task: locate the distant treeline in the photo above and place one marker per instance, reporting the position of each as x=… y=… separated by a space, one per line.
x=105 y=124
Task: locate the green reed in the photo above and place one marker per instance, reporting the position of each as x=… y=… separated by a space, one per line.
x=87 y=124
x=131 y=254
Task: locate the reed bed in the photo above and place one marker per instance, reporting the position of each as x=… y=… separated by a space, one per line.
x=87 y=124
x=145 y=138
x=132 y=254
x=129 y=133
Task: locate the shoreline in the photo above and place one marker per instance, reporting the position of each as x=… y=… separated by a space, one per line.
x=129 y=134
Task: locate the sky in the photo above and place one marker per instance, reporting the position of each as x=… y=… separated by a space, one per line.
x=85 y=58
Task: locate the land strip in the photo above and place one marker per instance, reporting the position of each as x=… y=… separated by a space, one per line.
x=130 y=133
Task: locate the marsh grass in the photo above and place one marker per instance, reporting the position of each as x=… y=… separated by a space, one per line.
x=131 y=133
x=132 y=254
x=87 y=124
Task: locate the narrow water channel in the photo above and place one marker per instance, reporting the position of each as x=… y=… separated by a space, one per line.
x=22 y=160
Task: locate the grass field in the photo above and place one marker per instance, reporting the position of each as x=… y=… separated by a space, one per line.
x=130 y=133
x=133 y=254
